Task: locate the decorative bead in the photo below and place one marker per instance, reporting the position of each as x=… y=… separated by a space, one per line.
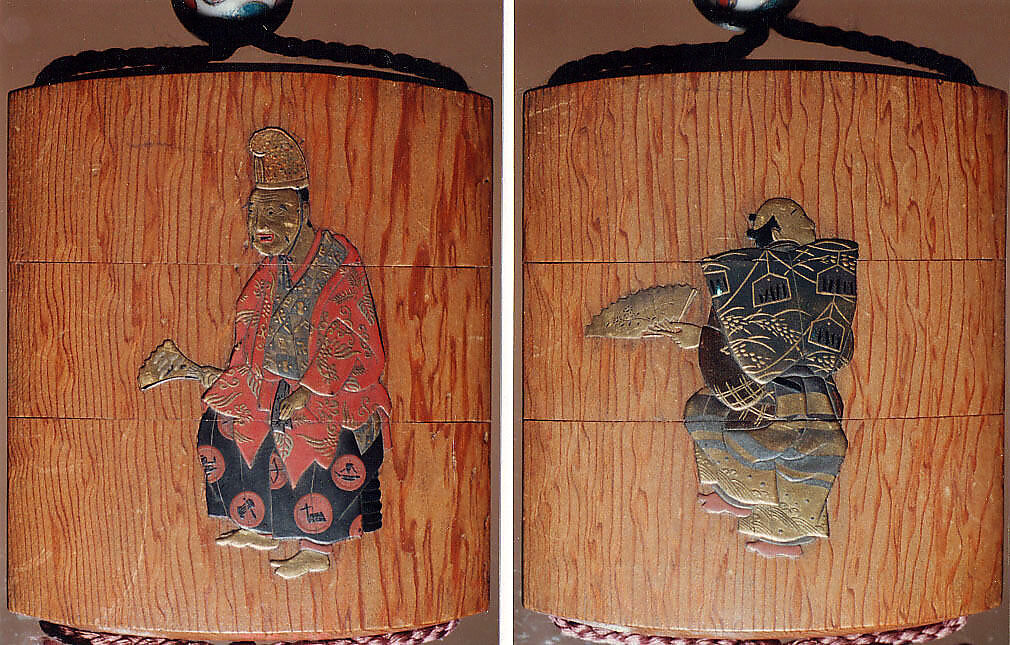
x=233 y=9
x=738 y=15
x=231 y=20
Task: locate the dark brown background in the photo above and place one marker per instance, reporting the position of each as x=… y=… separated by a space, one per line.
x=552 y=32
x=464 y=35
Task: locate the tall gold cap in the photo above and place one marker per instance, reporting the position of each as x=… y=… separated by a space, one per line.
x=278 y=161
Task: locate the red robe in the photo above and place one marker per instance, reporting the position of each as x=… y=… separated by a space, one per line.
x=345 y=363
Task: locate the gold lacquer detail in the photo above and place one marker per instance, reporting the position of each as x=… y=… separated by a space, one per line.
x=278 y=161
x=167 y=363
x=304 y=375
x=644 y=314
x=767 y=433
x=305 y=561
x=246 y=539
x=790 y=405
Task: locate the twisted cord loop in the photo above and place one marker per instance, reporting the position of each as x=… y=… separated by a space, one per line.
x=660 y=59
x=361 y=55
x=67 y=68
x=60 y=634
x=712 y=56
x=196 y=57
x=952 y=68
x=895 y=637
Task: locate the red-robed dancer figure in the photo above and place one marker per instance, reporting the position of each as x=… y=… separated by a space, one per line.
x=296 y=424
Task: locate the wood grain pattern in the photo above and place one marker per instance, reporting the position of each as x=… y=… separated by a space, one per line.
x=624 y=169
x=929 y=342
x=81 y=332
x=128 y=226
x=108 y=530
x=628 y=183
x=613 y=533
x=155 y=168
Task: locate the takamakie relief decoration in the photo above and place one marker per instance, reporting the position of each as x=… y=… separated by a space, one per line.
x=767 y=426
x=297 y=422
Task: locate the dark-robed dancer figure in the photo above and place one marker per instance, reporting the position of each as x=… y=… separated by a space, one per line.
x=767 y=429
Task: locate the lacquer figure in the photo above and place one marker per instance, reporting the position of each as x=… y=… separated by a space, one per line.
x=296 y=424
x=767 y=426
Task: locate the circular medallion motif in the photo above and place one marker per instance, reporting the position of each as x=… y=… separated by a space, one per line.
x=348 y=472
x=212 y=462
x=247 y=509
x=355 y=530
x=276 y=471
x=313 y=513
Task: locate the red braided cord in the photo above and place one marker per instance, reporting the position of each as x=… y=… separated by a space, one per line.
x=611 y=637
x=60 y=634
x=895 y=637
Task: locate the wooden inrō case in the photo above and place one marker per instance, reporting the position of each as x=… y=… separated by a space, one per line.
x=137 y=210
x=743 y=290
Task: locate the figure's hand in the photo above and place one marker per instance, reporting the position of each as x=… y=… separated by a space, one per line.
x=294 y=401
x=686 y=335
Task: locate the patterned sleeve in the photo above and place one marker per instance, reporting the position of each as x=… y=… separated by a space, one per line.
x=348 y=352
x=236 y=391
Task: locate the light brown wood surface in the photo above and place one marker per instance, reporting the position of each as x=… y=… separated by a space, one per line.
x=613 y=532
x=110 y=531
x=96 y=323
x=158 y=169
x=910 y=168
x=921 y=327
x=127 y=226
x=628 y=184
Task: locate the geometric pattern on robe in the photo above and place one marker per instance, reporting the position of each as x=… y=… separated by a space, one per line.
x=311 y=326
x=767 y=428
x=786 y=304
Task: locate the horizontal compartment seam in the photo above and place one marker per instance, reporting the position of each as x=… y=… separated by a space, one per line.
x=844 y=419
x=233 y=264
x=885 y=260
x=197 y=420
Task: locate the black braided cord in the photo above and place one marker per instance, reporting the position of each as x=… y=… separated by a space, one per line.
x=196 y=58
x=713 y=56
x=661 y=59
x=361 y=55
x=952 y=68
x=153 y=59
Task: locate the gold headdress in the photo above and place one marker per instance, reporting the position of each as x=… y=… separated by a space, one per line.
x=278 y=162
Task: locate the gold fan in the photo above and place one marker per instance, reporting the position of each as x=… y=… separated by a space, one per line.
x=643 y=314
x=167 y=363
